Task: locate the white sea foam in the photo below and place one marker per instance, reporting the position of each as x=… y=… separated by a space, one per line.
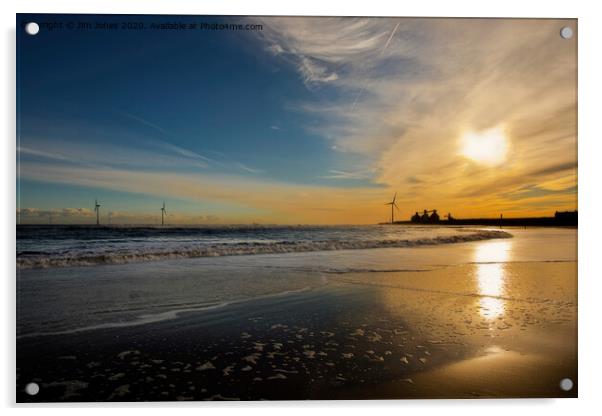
x=192 y=250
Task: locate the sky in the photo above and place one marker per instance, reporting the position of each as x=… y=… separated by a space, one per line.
x=302 y=120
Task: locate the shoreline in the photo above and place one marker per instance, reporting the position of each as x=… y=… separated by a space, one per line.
x=247 y=249
x=315 y=345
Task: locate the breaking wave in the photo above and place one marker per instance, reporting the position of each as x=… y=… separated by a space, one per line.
x=40 y=260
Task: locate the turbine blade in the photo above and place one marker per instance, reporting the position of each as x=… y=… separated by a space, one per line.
x=394 y=197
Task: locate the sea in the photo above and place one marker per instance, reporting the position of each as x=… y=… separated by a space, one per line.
x=80 y=278
x=74 y=245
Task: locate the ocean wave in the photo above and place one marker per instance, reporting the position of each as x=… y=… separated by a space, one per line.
x=241 y=248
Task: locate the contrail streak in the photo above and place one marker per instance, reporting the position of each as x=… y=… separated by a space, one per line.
x=390 y=37
x=359 y=95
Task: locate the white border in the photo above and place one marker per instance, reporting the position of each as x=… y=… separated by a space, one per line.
x=590 y=206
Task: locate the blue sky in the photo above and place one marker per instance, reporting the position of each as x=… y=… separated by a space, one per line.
x=215 y=93
x=219 y=123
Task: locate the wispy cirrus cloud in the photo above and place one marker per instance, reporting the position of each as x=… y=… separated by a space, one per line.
x=406 y=90
x=339 y=174
x=145 y=122
x=392 y=97
x=133 y=152
x=239 y=197
x=151 y=154
x=21 y=150
x=320 y=48
x=201 y=160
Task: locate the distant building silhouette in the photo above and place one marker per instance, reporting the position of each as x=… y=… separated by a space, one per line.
x=560 y=218
x=425 y=218
x=434 y=216
x=566 y=217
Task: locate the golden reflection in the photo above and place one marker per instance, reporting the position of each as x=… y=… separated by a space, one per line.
x=490 y=258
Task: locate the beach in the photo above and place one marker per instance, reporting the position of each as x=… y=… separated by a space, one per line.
x=430 y=313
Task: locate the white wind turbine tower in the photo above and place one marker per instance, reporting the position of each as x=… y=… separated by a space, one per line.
x=393 y=204
x=163 y=213
x=97 y=209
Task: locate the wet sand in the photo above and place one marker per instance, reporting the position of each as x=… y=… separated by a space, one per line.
x=479 y=329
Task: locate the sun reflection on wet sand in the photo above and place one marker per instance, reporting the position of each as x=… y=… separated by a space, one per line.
x=490 y=258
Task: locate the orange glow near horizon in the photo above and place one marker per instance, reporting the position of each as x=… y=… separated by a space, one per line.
x=471 y=123
x=244 y=200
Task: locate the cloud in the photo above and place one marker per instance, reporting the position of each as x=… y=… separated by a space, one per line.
x=135 y=153
x=557 y=168
x=393 y=98
x=54 y=216
x=413 y=180
x=145 y=122
x=149 y=154
x=339 y=174
x=406 y=90
x=238 y=199
x=40 y=153
x=87 y=216
x=319 y=48
x=201 y=160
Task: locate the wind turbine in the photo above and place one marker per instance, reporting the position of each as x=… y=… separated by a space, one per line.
x=393 y=204
x=163 y=212
x=97 y=209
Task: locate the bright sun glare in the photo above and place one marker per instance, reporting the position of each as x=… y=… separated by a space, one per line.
x=488 y=147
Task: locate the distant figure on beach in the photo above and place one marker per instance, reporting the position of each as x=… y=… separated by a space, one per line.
x=416 y=217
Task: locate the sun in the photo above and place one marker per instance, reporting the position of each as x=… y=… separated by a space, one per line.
x=488 y=147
